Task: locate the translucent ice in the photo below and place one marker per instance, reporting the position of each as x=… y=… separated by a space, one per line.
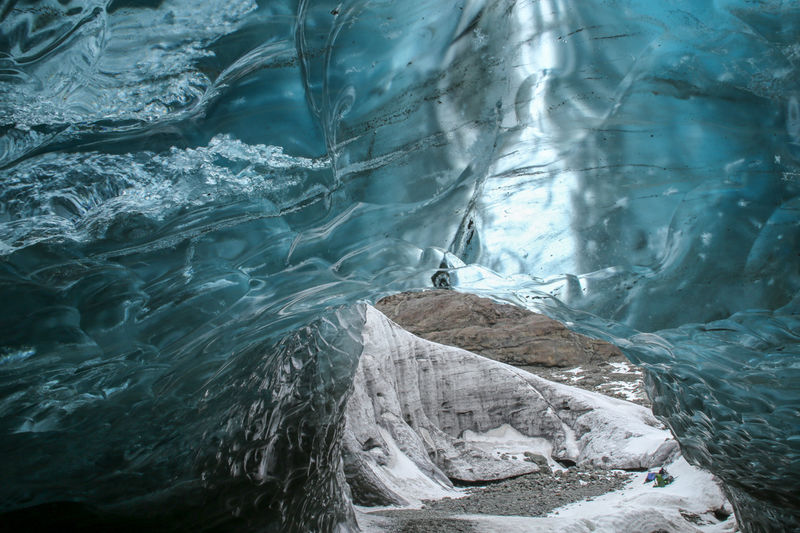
x=190 y=190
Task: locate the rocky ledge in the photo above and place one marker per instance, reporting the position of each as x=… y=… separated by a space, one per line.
x=502 y=332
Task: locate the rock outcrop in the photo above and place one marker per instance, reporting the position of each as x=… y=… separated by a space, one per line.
x=502 y=332
x=418 y=410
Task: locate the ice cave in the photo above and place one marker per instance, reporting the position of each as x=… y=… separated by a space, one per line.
x=201 y=200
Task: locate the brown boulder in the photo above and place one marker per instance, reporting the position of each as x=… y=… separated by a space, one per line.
x=502 y=332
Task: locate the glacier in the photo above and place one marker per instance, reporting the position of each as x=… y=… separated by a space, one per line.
x=194 y=195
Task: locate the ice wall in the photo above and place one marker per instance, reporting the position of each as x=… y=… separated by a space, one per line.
x=187 y=187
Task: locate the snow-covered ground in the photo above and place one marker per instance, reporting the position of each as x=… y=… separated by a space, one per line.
x=693 y=502
x=629 y=385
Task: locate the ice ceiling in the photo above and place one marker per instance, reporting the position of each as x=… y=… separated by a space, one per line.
x=191 y=189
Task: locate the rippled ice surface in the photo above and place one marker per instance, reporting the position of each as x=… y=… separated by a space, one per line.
x=191 y=191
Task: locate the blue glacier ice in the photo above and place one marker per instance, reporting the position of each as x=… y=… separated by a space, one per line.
x=194 y=194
